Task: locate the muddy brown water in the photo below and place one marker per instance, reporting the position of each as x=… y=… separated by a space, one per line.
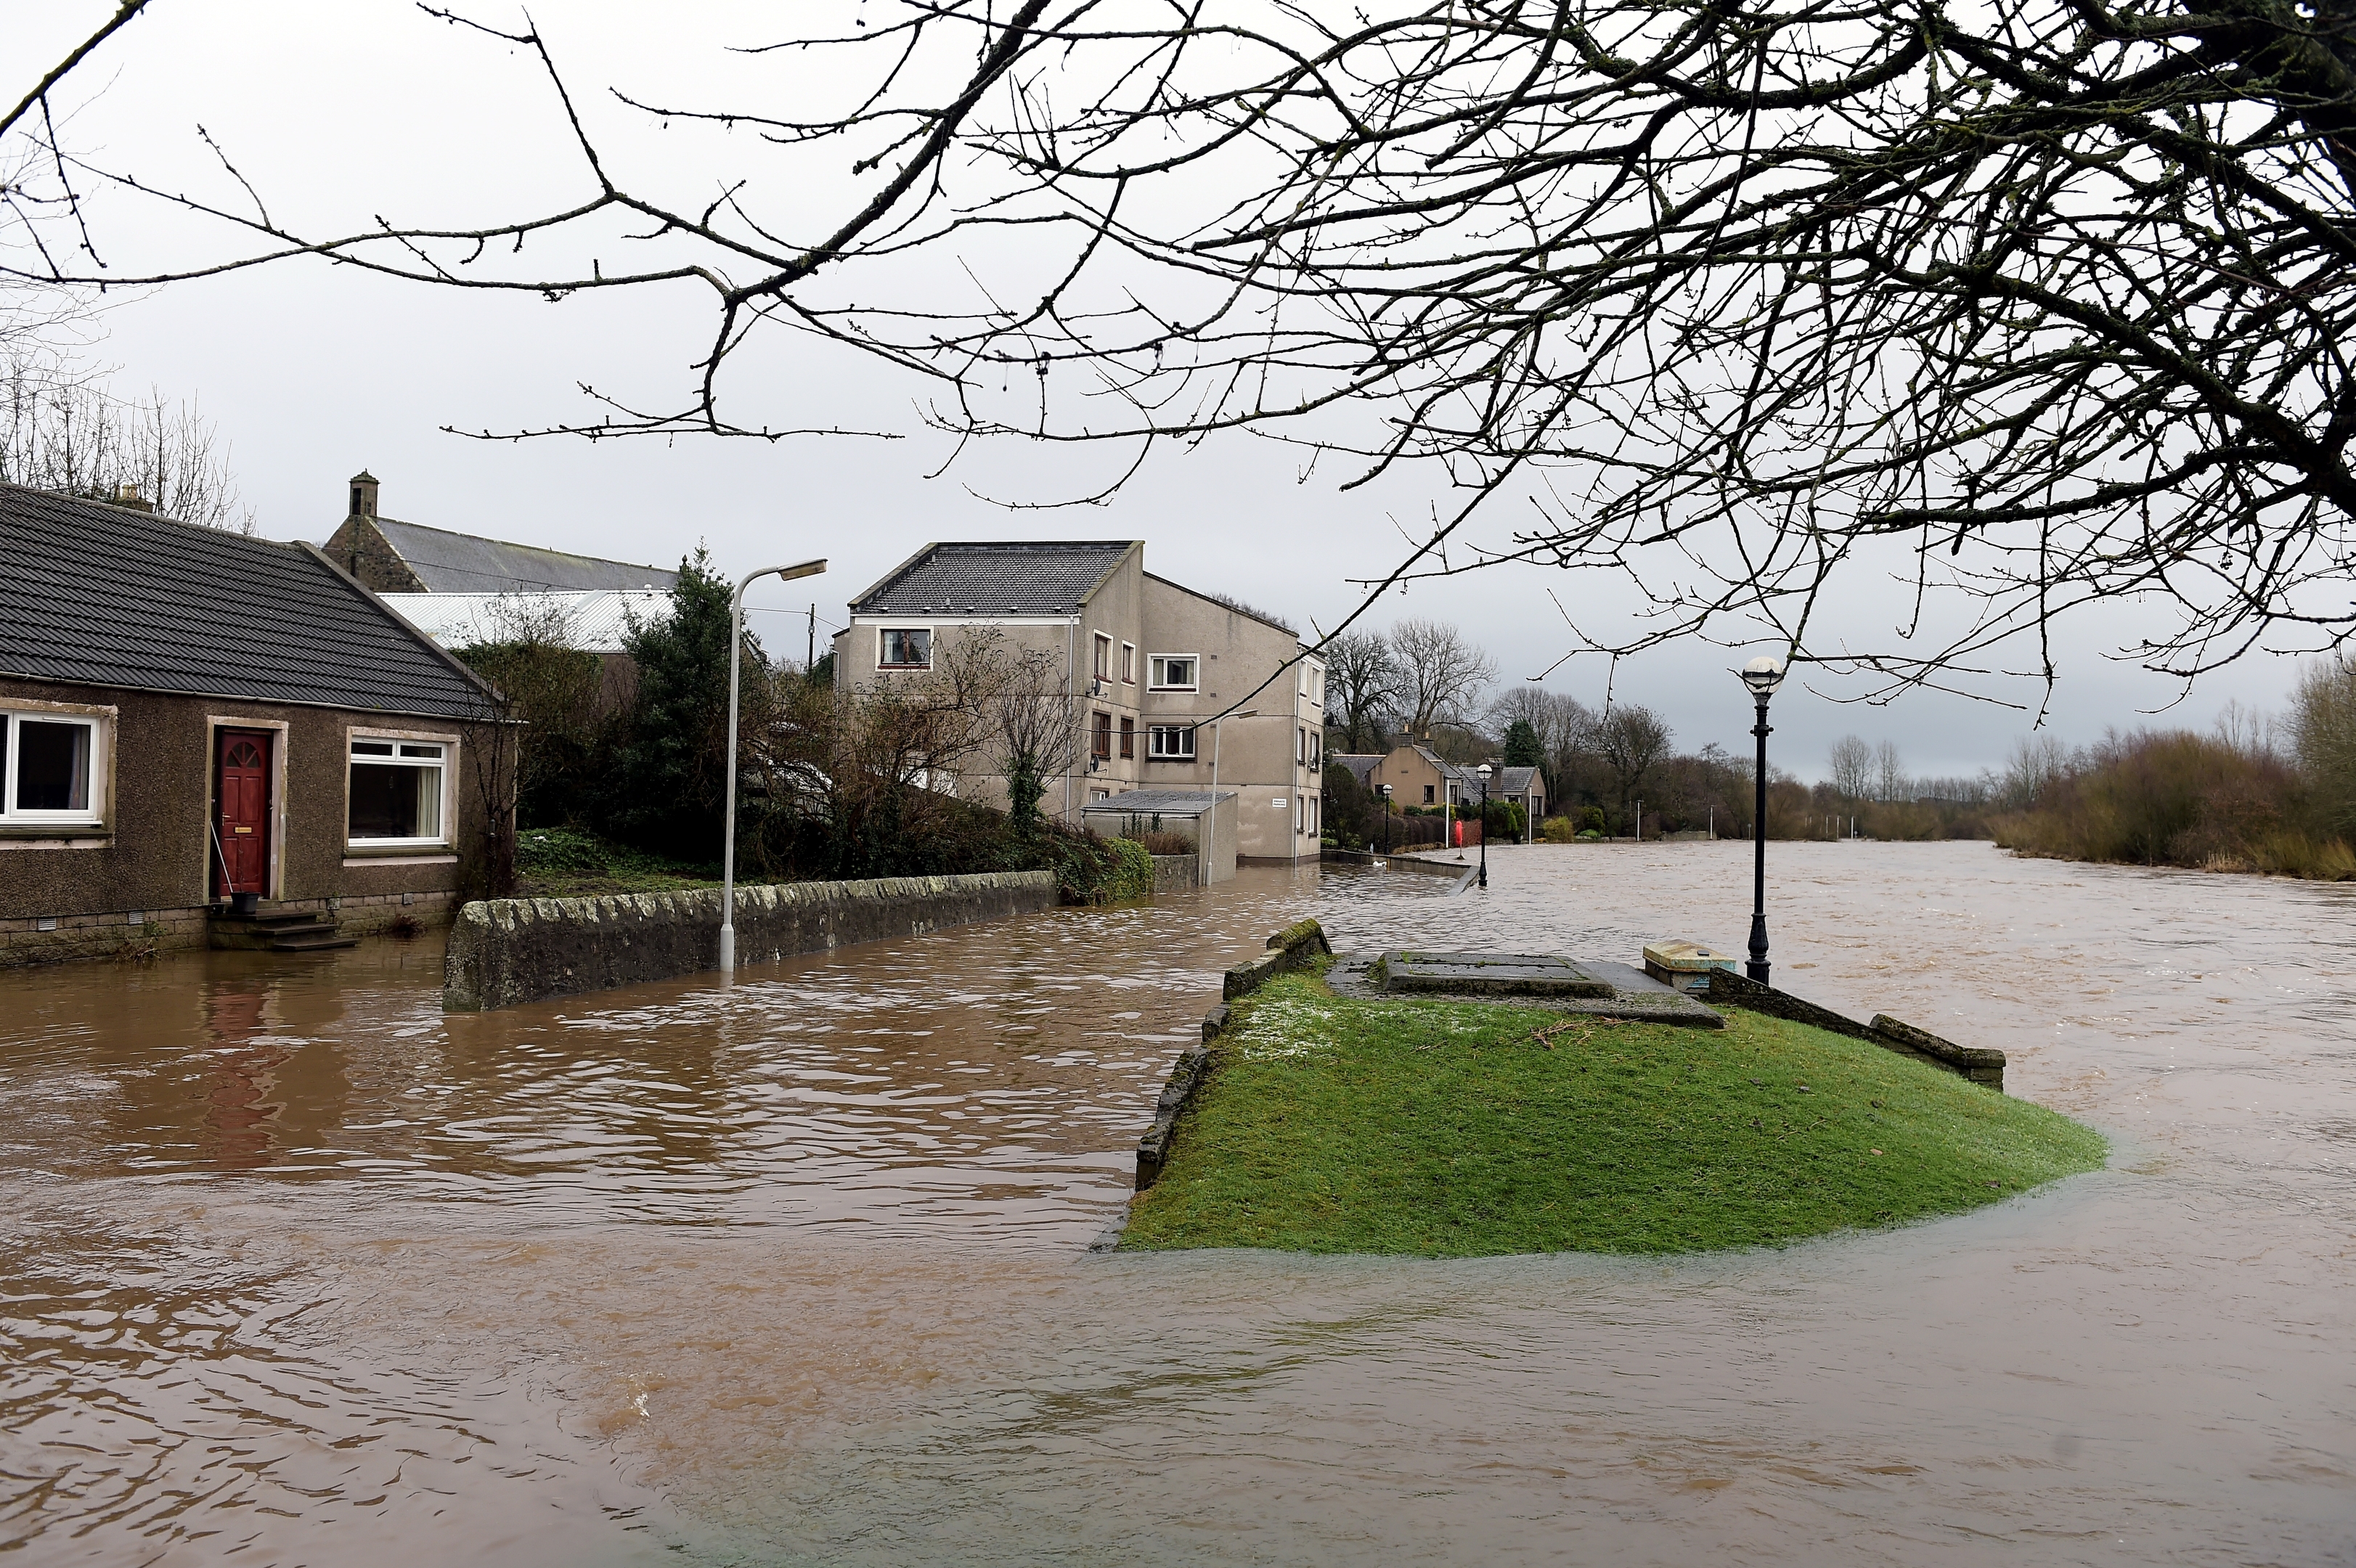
x=296 y=1270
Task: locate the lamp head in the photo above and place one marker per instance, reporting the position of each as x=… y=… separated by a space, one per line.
x=1483 y=770
x=1387 y=791
x=1762 y=675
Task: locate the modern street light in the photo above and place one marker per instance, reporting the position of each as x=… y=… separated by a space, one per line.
x=1483 y=770
x=1386 y=817
x=1762 y=675
x=736 y=658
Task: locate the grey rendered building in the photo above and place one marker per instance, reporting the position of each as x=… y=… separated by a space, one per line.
x=1149 y=665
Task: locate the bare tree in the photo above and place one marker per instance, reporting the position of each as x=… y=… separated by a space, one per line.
x=1037 y=730
x=2037 y=764
x=1889 y=773
x=1629 y=739
x=2323 y=729
x=2047 y=297
x=1851 y=768
x=1362 y=689
x=1441 y=672
x=60 y=430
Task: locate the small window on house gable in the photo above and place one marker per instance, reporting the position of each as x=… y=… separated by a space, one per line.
x=50 y=768
x=1104 y=656
x=905 y=647
x=1174 y=672
x=400 y=791
x=1128 y=663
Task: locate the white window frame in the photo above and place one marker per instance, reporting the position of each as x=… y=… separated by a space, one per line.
x=884 y=632
x=1101 y=651
x=448 y=811
x=1129 y=663
x=97 y=785
x=1155 y=734
x=1155 y=666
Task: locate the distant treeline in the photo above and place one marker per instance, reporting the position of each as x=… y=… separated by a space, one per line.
x=2254 y=796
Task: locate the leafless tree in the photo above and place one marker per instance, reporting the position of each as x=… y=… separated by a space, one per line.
x=1851 y=768
x=2323 y=728
x=1889 y=773
x=1565 y=729
x=1361 y=689
x=1631 y=738
x=2037 y=304
x=2037 y=764
x=1441 y=672
x=1036 y=729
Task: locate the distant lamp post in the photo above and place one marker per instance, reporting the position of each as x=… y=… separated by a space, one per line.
x=736 y=658
x=1762 y=675
x=1484 y=771
x=1386 y=817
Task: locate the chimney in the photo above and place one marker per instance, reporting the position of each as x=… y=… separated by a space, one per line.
x=363 y=495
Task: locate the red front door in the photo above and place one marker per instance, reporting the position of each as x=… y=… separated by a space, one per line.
x=242 y=796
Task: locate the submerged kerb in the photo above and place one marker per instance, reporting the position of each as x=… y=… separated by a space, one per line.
x=1461 y=1129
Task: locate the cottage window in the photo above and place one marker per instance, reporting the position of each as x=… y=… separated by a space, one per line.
x=49 y=768
x=1128 y=737
x=399 y=791
x=1170 y=743
x=1174 y=672
x=1100 y=743
x=905 y=647
x=1427 y=794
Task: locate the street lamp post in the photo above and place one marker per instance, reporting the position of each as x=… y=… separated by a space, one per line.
x=735 y=659
x=1386 y=819
x=1483 y=770
x=1762 y=675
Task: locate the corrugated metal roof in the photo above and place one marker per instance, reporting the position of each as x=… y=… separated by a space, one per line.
x=1044 y=579
x=594 y=621
x=105 y=596
x=1168 y=802
x=450 y=562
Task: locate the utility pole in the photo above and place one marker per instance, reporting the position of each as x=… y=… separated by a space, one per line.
x=809 y=659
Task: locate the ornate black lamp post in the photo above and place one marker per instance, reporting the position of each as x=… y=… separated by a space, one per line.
x=1386 y=817
x=1484 y=771
x=1762 y=675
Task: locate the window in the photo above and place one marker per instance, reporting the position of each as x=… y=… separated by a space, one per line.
x=905 y=647
x=1170 y=742
x=1100 y=743
x=398 y=790
x=1427 y=794
x=1128 y=737
x=1174 y=672
x=49 y=768
x=1128 y=663
x=1104 y=656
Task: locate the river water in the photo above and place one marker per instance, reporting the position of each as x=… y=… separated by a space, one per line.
x=298 y=1270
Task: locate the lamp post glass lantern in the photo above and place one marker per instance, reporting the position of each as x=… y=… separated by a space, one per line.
x=1483 y=770
x=735 y=659
x=1386 y=817
x=1761 y=675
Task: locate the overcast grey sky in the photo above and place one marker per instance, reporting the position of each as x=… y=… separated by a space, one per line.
x=337 y=114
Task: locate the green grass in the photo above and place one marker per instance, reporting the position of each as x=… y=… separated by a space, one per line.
x=1446 y=1129
x=570 y=863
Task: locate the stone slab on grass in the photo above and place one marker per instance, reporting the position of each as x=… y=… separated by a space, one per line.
x=1592 y=987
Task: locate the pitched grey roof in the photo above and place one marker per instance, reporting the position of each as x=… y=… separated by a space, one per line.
x=105 y=596
x=1510 y=780
x=450 y=562
x=1046 y=579
x=1358 y=763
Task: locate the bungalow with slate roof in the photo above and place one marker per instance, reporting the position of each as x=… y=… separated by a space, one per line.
x=1148 y=665
x=189 y=717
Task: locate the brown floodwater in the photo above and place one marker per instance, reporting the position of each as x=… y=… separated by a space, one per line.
x=296 y=1270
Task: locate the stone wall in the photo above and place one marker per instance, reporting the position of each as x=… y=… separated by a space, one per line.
x=1175 y=873
x=1977 y=1063
x=132 y=933
x=507 y=951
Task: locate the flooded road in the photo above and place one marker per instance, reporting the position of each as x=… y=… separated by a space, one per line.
x=298 y=1270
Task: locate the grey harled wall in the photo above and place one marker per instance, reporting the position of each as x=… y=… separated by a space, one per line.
x=507 y=951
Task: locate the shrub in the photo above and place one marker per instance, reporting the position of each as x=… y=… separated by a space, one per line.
x=1557 y=830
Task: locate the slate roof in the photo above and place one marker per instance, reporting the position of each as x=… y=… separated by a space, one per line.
x=593 y=622
x=105 y=596
x=1359 y=763
x=1044 y=579
x=450 y=562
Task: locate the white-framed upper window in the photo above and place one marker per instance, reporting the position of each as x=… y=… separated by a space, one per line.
x=1170 y=742
x=904 y=648
x=399 y=789
x=1174 y=672
x=1129 y=663
x=51 y=768
x=1104 y=657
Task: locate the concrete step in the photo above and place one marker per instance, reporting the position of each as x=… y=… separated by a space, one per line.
x=319 y=941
